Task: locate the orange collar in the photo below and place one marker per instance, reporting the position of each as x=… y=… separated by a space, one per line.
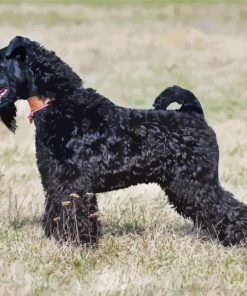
x=37 y=104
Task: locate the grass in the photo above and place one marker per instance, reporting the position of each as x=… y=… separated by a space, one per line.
x=129 y=52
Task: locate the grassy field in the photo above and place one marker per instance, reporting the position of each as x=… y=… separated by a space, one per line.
x=129 y=52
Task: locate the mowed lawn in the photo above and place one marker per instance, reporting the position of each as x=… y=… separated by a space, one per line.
x=129 y=52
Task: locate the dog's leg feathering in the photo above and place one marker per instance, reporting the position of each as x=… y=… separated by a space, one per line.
x=212 y=208
x=73 y=218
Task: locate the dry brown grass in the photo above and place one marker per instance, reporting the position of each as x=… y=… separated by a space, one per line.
x=129 y=53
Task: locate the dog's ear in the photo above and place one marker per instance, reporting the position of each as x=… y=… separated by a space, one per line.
x=17 y=48
x=7 y=115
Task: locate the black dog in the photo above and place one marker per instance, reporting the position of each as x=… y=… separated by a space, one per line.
x=86 y=144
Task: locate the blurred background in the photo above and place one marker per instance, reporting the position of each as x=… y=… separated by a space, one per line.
x=128 y=51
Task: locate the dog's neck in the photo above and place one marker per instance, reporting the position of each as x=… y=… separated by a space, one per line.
x=36 y=104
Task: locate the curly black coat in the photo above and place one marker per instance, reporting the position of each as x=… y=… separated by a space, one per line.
x=86 y=144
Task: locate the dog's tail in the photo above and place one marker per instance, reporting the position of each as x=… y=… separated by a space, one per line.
x=177 y=94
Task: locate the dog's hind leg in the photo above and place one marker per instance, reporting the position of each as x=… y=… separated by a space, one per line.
x=74 y=217
x=210 y=207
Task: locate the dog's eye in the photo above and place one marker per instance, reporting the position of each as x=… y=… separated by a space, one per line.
x=19 y=57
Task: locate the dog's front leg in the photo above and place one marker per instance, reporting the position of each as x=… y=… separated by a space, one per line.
x=74 y=217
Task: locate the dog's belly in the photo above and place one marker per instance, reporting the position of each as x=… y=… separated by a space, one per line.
x=117 y=173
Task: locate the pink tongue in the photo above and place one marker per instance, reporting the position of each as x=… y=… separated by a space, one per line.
x=2 y=89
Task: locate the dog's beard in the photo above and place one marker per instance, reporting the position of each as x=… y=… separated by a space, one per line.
x=7 y=115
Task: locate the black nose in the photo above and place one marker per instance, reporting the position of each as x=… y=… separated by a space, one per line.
x=3 y=80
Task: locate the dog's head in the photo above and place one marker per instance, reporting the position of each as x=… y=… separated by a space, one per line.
x=28 y=69
x=13 y=79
